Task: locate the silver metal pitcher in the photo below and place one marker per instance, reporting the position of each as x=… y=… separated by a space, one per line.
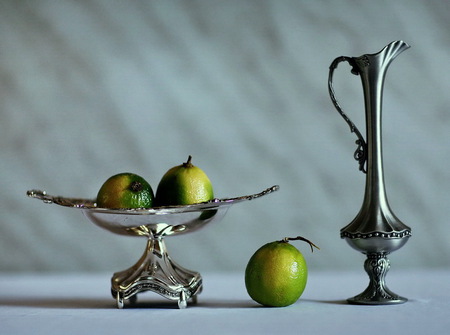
x=375 y=231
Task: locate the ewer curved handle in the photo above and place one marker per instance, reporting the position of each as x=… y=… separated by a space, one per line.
x=361 y=151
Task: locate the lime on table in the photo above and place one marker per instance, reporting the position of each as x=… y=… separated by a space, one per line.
x=277 y=273
x=125 y=190
x=184 y=184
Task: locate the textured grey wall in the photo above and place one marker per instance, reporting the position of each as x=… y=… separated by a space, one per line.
x=92 y=88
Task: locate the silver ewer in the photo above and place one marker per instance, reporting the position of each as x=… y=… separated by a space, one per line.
x=375 y=231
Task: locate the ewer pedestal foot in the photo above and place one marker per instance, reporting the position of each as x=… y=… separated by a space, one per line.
x=377 y=293
x=156 y=272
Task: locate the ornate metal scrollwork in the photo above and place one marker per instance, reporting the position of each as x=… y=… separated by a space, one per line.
x=361 y=151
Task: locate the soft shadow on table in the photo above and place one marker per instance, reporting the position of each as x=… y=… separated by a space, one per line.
x=210 y=303
x=334 y=302
x=252 y=304
x=203 y=304
x=226 y=304
x=86 y=303
x=71 y=303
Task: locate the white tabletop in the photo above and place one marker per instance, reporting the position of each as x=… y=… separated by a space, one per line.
x=82 y=304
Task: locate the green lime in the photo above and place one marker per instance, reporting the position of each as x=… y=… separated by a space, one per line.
x=184 y=184
x=125 y=190
x=277 y=273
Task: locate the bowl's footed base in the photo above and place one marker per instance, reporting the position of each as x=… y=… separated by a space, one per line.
x=156 y=272
x=142 y=284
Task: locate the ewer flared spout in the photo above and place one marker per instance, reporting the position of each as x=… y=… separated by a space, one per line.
x=375 y=231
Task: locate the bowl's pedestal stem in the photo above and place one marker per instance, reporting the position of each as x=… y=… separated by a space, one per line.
x=155 y=271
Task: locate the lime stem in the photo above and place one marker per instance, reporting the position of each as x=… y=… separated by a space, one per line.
x=287 y=239
x=188 y=163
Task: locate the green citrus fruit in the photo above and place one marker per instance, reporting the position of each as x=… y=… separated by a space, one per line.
x=276 y=274
x=125 y=190
x=184 y=184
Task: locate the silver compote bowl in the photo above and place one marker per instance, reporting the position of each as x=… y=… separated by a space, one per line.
x=155 y=271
